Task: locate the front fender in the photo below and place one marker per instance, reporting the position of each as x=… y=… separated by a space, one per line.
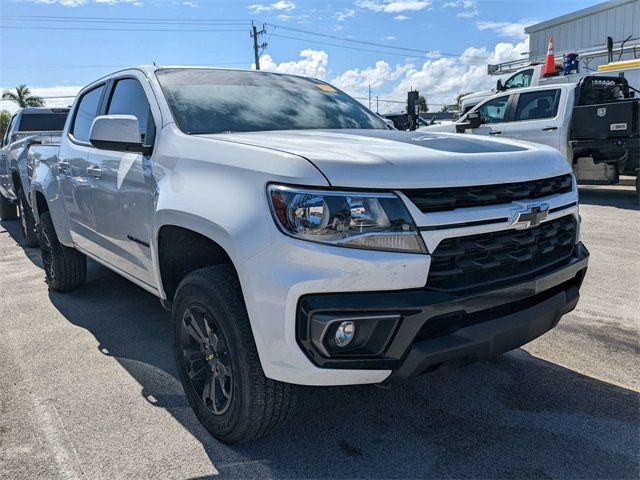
x=44 y=181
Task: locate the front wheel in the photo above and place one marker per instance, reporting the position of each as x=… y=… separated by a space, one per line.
x=27 y=222
x=218 y=362
x=8 y=211
x=65 y=267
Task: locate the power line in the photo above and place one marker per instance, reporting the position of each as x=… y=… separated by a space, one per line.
x=374 y=44
x=125 y=66
x=317 y=42
x=123 y=29
x=131 y=19
x=235 y=22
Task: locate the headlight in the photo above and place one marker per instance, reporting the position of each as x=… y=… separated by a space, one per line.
x=377 y=221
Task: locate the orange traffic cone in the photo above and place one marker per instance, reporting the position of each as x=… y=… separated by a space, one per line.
x=550 y=62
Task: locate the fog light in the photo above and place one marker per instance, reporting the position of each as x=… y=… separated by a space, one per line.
x=345 y=333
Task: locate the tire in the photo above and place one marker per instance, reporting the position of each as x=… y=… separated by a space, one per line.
x=27 y=222
x=253 y=405
x=65 y=267
x=8 y=210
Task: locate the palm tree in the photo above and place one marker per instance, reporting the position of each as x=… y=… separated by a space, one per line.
x=22 y=96
x=5 y=118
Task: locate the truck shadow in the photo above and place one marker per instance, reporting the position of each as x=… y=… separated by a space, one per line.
x=610 y=196
x=515 y=417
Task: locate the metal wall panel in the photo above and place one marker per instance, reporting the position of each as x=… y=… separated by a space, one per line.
x=617 y=19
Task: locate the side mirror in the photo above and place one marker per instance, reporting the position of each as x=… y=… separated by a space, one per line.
x=472 y=120
x=117 y=132
x=499 y=86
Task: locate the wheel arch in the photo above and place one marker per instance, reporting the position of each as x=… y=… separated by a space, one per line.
x=200 y=243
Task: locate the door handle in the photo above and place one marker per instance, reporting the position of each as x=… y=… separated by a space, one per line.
x=63 y=165
x=94 y=171
x=493 y=132
x=549 y=129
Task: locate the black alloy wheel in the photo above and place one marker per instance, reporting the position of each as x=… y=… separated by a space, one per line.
x=206 y=355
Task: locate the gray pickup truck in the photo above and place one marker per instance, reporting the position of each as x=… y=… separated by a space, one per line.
x=28 y=126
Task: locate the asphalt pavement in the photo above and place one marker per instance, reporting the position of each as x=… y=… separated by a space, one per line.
x=88 y=388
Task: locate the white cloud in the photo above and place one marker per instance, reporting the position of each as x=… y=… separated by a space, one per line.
x=280 y=6
x=283 y=17
x=58 y=91
x=507 y=29
x=389 y=38
x=468 y=14
x=342 y=15
x=393 y=6
x=312 y=63
x=401 y=18
x=358 y=81
x=440 y=79
x=469 y=8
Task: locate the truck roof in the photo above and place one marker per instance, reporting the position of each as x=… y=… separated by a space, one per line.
x=38 y=110
x=149 y=70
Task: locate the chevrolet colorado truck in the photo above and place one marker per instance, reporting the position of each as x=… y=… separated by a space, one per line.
x=27 y=127
x=298 y=240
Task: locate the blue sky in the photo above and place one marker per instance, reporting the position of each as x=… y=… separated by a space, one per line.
x=57 y=46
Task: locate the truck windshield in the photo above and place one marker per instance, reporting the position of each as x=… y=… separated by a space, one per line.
x=42 y=122
x=215 y=101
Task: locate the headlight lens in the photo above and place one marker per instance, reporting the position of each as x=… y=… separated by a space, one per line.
x=377 y=221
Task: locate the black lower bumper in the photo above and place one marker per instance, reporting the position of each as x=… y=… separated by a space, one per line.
x=413 y=331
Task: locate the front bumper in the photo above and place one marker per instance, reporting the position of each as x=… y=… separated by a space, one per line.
x=412 y=331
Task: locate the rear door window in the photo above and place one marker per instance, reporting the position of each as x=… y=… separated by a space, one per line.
x=86 y=112
x=537 y=105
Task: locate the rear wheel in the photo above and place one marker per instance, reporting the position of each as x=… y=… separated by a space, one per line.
x=27 y=222
x=8 y=210
x=218 y=362
x=65 y=267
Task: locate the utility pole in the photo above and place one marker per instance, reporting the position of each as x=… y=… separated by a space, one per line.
x=377 y=104
x=257 y=47
x=369 y=96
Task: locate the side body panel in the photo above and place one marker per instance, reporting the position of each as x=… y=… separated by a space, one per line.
x=44 y=180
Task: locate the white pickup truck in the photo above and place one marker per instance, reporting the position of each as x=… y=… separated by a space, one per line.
x=594 y=123
x=27 y=127
x=531 y=76
x=298 y=240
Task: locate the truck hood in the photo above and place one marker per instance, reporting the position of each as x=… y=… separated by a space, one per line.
x=394 y=159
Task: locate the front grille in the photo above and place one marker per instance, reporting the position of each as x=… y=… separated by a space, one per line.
x=487 y=260
x=444 y=199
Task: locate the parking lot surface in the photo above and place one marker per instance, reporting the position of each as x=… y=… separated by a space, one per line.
x=88 y=388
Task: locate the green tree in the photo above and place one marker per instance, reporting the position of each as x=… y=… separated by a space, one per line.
x=5 y=118
x=22 y=96
x=422 y=104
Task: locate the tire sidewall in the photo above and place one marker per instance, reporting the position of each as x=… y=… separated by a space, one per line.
x=195 y=293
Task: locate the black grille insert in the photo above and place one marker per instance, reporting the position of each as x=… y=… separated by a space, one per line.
x=484 y=261
x=444 y=199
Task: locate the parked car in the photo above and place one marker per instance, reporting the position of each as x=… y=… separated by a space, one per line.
x=310 y=245
x=594 y=123
x=27 y=127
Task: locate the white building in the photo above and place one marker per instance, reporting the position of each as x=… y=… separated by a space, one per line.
x=586 y=32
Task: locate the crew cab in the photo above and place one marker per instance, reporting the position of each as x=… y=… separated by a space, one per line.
x=532 y=76
x=27 y=127
x=298 y=240
x=594 y=123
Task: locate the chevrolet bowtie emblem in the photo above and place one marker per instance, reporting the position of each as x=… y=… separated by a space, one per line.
x=531 y=216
